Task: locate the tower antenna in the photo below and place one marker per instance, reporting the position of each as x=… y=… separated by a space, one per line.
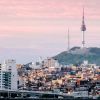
x=68 y=40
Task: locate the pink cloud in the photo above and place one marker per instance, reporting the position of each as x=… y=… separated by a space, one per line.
x=45 y=20
x=48 y=8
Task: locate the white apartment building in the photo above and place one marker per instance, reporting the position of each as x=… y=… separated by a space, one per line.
x=8 y=75
x=50 y=62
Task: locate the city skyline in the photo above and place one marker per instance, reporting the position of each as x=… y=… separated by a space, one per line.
x=33 y=28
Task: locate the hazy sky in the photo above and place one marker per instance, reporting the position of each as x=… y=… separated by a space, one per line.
x=32 y=28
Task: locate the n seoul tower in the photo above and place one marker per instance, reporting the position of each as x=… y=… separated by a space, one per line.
x=83 y=29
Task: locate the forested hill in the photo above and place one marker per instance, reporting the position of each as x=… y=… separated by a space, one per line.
x=77 y=55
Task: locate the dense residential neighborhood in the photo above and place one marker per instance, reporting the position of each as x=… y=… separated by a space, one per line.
x=49 y=75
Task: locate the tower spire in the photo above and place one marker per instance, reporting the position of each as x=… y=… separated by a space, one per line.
x=68 y=41
x=83 y=29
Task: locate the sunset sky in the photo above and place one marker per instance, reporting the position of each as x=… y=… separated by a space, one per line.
x=33 y=28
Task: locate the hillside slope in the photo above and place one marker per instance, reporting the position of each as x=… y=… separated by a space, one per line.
x=77 y=55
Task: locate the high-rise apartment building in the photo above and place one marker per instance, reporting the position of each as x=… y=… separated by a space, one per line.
x=8 y=75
